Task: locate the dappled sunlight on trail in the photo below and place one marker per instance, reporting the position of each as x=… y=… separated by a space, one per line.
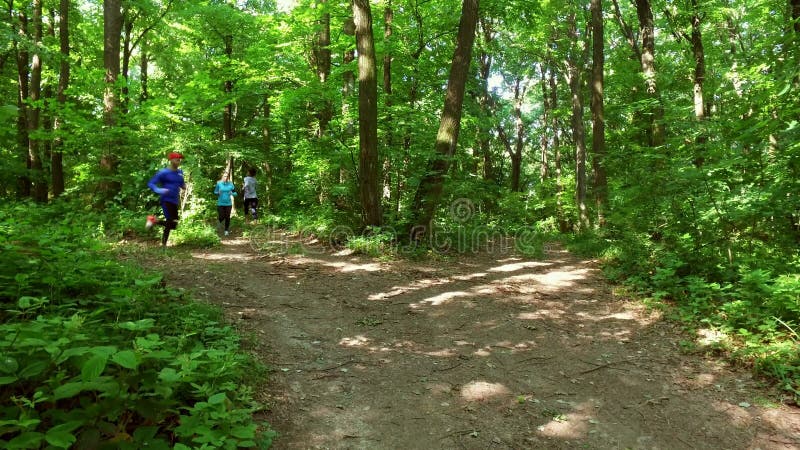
x=476 y=351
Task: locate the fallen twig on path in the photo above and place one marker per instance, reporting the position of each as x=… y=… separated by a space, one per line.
x=543 y=358
x=602 y=366
x=447 y=368
x=337 y=366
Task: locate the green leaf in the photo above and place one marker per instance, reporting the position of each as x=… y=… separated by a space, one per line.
x=139 y=325
x=68 y=390
x=244 y=432
x=169 y=375
x=8 y=365
x=33 y=370
x=145 y=433
x=126 y=359
x=7 y=380
x=61 y=435
x=216 y=399
x=26 y=440
x=94 y=367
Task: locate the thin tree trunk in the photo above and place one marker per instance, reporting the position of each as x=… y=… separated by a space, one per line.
x=562 y=222
x=700 y=109
x=485 y=99
x=144 y=68
x=227 y=114
x=56 y=159
x=544 y=171
x=644 y=12
x=574 y=63
x=112 y=32
x=389 y=171
x=429 y=192
x=322 y=63
x=126 y=59
x=267 y=140
x=598 y=111
x=24 y=182
x=368 y=161
x=34 y=108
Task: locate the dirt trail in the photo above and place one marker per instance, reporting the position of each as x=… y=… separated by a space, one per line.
x=473 y=352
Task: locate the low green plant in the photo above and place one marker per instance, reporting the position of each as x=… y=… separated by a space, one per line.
x=96 y=353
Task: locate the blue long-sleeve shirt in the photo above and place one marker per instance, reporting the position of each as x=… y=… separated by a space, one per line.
x=226 y=191
x=167 y=183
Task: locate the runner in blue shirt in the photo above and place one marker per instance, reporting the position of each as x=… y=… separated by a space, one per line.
x=167 y=183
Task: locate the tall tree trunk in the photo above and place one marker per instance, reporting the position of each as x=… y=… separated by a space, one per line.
x=34 y=108
x=23 y=83
x=644 y=11
x=598 y=111
x=485 y=99
x=544 y=170
x=112 y=32
x=127 y=50
x=575 y=63
x=368 y=161
x=227 y=113
x=700 y=109
x=144 y=68
x=322 y=66
x=56 y=159
x=348 y=78
x=430 y=188
x=267 y=140
x=519 y=126
x=389 y=170
x=556 y=128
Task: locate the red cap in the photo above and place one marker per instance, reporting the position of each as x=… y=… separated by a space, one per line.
x=174 y=155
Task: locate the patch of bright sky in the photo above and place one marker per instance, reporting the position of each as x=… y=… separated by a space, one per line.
x=286 y=5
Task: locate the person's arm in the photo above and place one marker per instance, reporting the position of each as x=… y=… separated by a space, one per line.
x=154 y=182
x=216 y=189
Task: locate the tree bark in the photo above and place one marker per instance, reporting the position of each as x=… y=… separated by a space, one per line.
x=368 y=161
x=34 y=108
x=322 y=66
x=574 y=65
x=598 y=111
x=112 y=33
x=227 y=114
x=485 y=99
x=56 y=159
x=429 y=192
x=644 y=11
x=23 y=74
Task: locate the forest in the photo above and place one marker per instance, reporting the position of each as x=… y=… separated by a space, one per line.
x=661 y=137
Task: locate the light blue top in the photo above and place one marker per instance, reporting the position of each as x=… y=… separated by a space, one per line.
x=226 y=191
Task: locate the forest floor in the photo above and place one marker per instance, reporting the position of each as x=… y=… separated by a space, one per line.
x=476 y=351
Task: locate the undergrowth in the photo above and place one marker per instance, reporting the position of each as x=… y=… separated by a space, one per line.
x=753 y=312
x=96 y=353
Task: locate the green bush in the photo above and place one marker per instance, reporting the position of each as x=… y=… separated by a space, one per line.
x=96 y=353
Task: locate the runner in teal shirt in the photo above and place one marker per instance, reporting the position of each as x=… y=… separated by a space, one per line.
x=225 y=191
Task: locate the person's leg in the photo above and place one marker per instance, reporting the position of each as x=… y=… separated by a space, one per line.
x=170 y=220
x=247 y=203
x=227 y=216
x=253 y=208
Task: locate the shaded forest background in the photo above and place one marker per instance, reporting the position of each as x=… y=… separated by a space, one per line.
x=661 y=136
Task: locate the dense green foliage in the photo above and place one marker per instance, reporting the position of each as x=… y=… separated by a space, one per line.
x=95 y=352
x=706 y=220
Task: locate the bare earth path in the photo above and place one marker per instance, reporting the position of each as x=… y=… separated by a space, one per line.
x=487 y=351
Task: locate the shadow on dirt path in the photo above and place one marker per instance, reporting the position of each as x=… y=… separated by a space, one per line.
x=474 y=352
